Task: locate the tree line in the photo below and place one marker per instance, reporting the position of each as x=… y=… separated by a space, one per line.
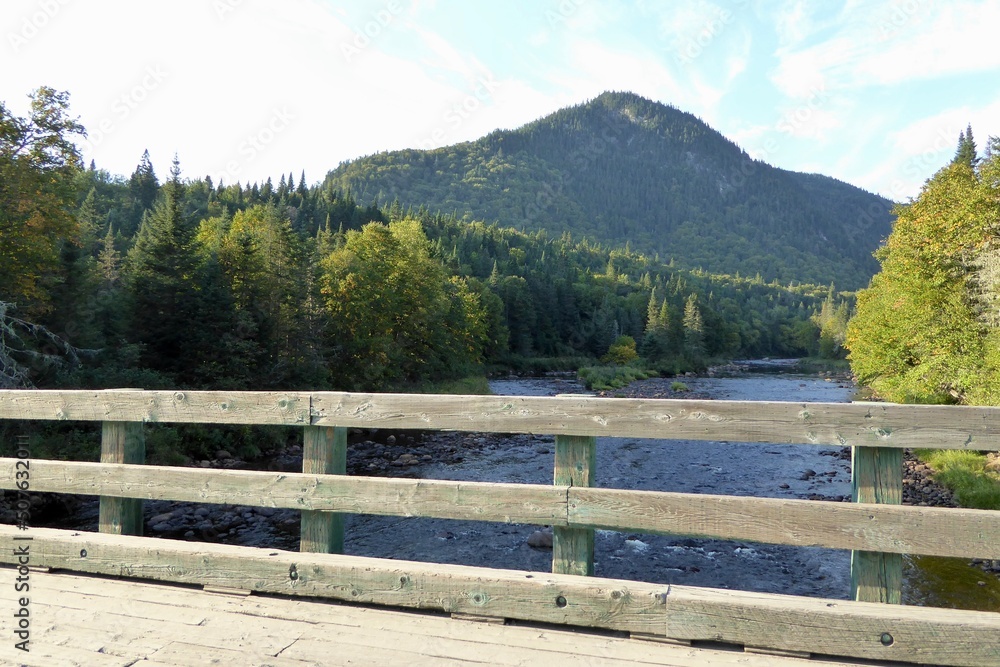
x=132 y=281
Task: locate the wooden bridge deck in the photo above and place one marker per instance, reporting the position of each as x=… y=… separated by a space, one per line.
x=107 y=622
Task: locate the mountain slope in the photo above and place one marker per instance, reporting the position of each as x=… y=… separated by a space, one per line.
x=622 y=168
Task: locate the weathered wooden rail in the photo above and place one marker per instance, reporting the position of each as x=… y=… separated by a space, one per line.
x=876 y=527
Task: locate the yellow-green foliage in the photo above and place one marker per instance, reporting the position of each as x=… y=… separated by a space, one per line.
x=622 y=351
x=921 y=332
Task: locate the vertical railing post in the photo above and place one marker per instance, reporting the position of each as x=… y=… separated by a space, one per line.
x=573 y=548
x=121 y=442
x=877 y=477
x=324 y=452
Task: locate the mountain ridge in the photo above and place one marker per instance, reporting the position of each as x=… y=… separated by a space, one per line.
x=624 y=169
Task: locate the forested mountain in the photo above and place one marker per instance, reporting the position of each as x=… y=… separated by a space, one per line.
x=113 y=281
x=623 y=169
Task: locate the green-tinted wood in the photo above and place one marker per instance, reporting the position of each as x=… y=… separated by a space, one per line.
x=121 y=442
x=324 y=452
x=573 y=548
x=877 y=478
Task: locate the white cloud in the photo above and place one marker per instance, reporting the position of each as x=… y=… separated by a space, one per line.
x=895 y=44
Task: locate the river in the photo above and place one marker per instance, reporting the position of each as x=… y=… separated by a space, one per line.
x=742 y=469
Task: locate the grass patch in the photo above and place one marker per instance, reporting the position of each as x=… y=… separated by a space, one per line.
x=967 y=475
x=679 y=386
x=820 y=365
x=604 y=378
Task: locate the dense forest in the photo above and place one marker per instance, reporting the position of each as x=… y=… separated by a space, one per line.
x=136 y=281
x=623 y=167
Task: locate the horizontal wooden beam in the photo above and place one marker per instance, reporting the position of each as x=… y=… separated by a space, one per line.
x=478 y=501
x=932 y=531
x=832 y=627
x=203 y=407
x=878 y=424
x=858 y=424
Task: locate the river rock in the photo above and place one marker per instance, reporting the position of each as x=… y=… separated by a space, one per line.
x=161 y=518
x=540 y=539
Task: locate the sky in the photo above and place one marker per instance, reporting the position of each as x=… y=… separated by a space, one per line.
x=872 y=93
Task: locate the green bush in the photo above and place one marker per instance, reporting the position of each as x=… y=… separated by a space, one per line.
x=622 y=351
x=679 y=386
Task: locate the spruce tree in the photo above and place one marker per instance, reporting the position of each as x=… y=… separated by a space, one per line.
x=694 y=330
x=966 y=152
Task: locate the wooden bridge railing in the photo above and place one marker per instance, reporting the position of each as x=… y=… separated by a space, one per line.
x=876 y=527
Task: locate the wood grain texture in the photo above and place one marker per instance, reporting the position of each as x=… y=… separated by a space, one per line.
x=936 y=531
x=324 y=452
x=575 y=463
x=788 y=623
x=346 y=629
x=256 y=632
x=875 y=424
x=858 y=424
x=932 y=531
x=877 y=477
x=477 y=501
x=204 y=407
x=121 y=442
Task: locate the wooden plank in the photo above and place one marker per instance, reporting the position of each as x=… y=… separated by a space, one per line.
x=121 y=442
x=933 y=531
x=829 y=627
x=346 y=626
x=479 y=501
x=878 y=478
x=47 y=655
x=183 y=652
x=324 y=452
x=937 y=531
x=207 y=407
x=573 y=548
x=858 y=424
x=842 y=424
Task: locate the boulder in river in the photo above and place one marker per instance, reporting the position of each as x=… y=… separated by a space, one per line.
x=540 y=539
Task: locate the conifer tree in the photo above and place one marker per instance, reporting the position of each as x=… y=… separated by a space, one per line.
x=694 y=330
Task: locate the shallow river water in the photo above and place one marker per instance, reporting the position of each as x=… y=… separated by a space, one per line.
x=780 y=471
